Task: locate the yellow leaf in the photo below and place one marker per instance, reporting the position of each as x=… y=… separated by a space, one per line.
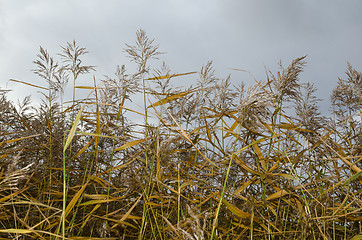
x=72 y=131
x=276 y=195
x=89 y=215
x=85 y=147
x=95 y=135
x=85 y=87
x=232 y=128
x=99 y=180
x=17 y=231
x=18 y=139
x=260 y=155
x=129 y=144
x=125 y=216
x=236 y=69
x=100 y=201
x=235 y=210
x=286 y=126
x=287 y=176
x=170 y=76
x=246 y=167
x=96 y=196
x=245 y=185
x=171 y=98
x=13 y=80
x=91 y=202
x=75 y=199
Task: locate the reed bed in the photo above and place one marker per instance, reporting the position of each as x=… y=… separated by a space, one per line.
x=207 y=161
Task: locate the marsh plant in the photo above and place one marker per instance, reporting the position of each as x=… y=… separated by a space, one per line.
x=208 y=161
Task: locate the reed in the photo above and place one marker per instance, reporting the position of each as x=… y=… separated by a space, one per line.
x=209 y=161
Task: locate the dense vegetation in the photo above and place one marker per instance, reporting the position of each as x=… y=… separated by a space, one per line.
x=208 y=161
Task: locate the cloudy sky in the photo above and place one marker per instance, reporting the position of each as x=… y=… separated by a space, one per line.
x=244 y=34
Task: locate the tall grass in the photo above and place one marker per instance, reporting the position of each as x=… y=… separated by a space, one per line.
x=208 y=161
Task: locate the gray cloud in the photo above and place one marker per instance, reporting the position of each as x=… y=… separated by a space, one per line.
x=236 y=34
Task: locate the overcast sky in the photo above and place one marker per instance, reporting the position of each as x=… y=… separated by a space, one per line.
x=242 y=34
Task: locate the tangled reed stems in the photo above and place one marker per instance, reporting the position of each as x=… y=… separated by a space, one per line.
x=209 y=161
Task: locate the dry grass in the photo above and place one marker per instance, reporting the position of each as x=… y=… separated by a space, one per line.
x=221 y=162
